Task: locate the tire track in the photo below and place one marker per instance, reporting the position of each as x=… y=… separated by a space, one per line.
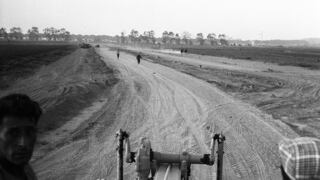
x=179 y=110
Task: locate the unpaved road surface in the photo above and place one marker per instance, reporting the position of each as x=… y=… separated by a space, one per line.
x=177 y=112
x=290 y=94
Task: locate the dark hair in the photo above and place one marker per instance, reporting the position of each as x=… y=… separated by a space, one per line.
x=19 y=105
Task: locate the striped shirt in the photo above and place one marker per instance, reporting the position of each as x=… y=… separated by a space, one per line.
x=300 y=158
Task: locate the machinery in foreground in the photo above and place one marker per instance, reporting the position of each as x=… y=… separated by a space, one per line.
x=152 y=165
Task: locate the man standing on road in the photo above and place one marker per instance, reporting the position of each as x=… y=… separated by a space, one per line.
x=18 y=131
x=118 y=53
x=138 y=58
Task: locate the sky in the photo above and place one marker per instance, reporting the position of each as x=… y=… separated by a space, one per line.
x=238 y=19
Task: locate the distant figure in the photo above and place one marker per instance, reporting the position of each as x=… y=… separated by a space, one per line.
x=138 y=58
x=118 y=53
x=186 y=50
x=181 y=51
x=19 y=117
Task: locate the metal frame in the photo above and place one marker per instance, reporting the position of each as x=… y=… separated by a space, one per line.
x=148 y=161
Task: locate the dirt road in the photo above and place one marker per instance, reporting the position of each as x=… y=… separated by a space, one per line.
x=177 y=112
x=288 y=93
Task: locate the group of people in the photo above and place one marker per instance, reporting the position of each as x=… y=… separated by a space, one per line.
x=19 y=115
x=138 y=57
x=183 y=51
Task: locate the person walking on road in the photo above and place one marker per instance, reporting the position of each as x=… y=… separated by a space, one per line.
x=118 y=53
x=139 y=58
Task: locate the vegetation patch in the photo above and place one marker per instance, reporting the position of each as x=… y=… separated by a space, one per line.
x=19 y=60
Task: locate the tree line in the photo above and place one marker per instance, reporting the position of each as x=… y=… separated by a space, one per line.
x=169 y=37
x=50 y=34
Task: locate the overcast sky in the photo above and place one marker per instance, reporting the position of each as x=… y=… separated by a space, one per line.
x=245 y=19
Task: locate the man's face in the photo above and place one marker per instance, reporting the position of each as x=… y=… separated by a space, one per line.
x=17 y=139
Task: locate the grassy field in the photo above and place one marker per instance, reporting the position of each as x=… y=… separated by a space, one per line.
x=21 y=59
x=295 y=56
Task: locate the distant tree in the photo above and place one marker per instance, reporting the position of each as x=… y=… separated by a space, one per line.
x=165 y=37
x=134 y=36
x=151 y=36
x=3 y=33
x=200 y=38
x=50 y=33
x=46 y=33
x=122 y=38
x=221 y=36
x=212 y=38
x=67 y=36
x=186 y=36
x=148 y=37
x=222 y=39
x=56 y=33
x=145 y=37
x=64 y=35
x=224 y=42
x=16 y=33
x=34 y=34
x=139 y=39
x=171 y=37
x=60 y=33
x=177 y=39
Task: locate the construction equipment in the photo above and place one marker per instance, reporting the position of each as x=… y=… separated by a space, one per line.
x=84 y=45
x=152 y=165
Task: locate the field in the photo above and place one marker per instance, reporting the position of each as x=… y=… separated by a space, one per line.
x=20 y=59
x=306 y=57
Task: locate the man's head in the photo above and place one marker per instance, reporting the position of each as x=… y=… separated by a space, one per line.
x=18 y=128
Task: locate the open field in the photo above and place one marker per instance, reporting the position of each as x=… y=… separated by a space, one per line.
x=20 y=59
x=306 y=57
